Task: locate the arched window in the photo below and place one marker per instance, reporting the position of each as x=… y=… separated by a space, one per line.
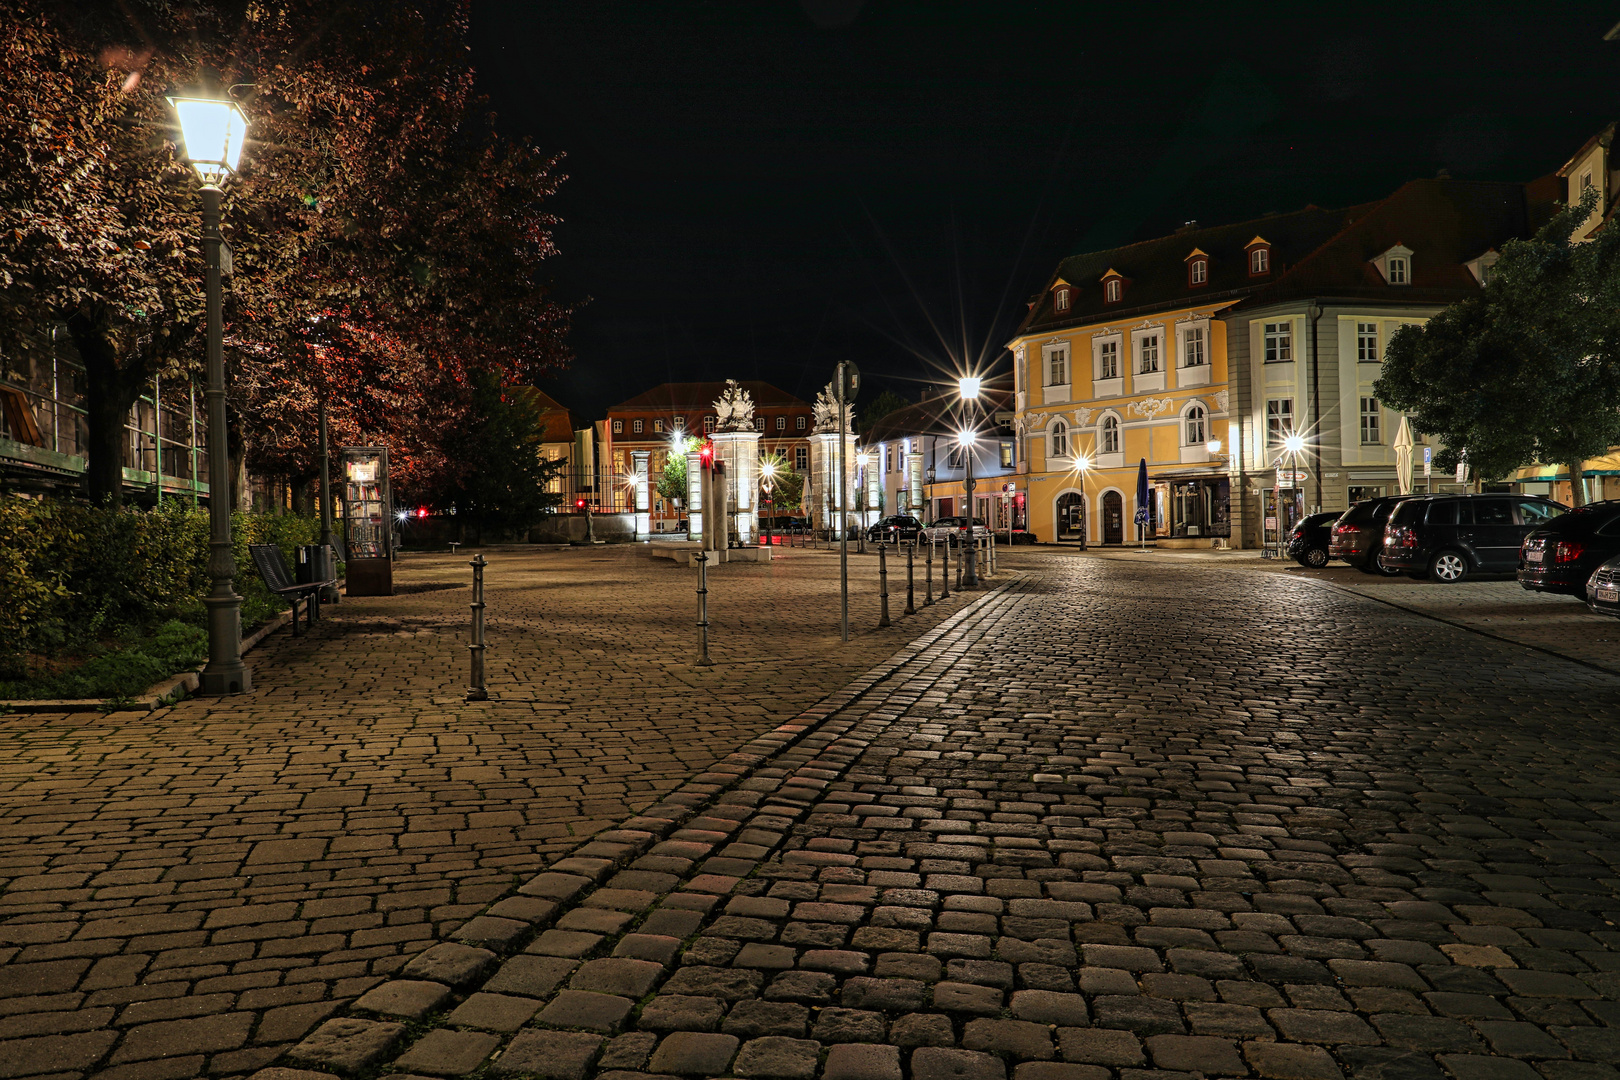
x=1193 y=424
x=1110 y=435
x=1060 y=439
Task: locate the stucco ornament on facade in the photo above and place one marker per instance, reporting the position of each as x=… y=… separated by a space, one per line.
x=826 y=411
x=1151 y=407
x=1082 y=417
x=1220 y=400
x=734 y=409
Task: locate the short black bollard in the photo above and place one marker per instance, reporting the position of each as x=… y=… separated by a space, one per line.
x=703 y=608
x=883 y=583
x=945 y=571
x=962 y=557
x=478 y=691
x=928 y=576
x=911 y=579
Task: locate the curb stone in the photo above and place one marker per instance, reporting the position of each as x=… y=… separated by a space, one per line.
x=697 y=845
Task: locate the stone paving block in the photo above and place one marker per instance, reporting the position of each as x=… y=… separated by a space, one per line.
x=494 y=1012
x=571 y=943
x=410 y=999
x=347 y=1044
x=681 y=1012
x=595 y=1012
x=1195 y=1053
x=1100 y=1046
x=967 y=998
x=1053 y=1070
x=1481 y=1067
x=689 y=1053
x=55 y=1053
x=207 y=1034
x=1280 y=1061
x=629 y=1051
x=835 y=1025
x=1047 y=1007
x=652 y=947
x=451 y=963
x=727 y=984
x=931 y=1063
x=922 y=1029
x=490 y=930
x=554 y=1055
x=1020 y=1038
x=778 y=1057
x=755 y=1019
x=530 y=976
x=443 y=1052
x=856 y=1061
x=629 y=978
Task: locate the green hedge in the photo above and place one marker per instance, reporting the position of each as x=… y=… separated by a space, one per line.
x=73 y=577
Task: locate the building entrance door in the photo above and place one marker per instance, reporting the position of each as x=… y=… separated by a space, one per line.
x=1113 y=510
x=1071 y=517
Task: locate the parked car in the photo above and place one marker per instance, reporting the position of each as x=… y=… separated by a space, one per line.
x=1449 y=537
x=950 y=529
x=893 y=528
x=1603 y=588
x=1308 y=543
x=1562 y=555
x=1358 y=536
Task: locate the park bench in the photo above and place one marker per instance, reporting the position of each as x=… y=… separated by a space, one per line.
x=273 y=569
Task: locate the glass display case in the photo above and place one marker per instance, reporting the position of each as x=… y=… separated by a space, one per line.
x=368 y=521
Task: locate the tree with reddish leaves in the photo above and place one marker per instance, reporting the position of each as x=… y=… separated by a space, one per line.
x=374 y=197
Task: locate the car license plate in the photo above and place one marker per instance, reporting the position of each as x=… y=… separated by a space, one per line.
x=1610 y=594
x=1532 y=556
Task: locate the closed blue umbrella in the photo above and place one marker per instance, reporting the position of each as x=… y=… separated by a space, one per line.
x=1142 y=516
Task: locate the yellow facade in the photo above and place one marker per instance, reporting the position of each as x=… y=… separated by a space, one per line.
x=1151 y=387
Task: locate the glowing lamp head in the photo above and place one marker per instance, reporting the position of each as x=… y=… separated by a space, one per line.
x=1213 y=446
x=966 y=437
x=212 y=133
x=1293 y=444
x=862 y=458
x=968 y=386
x=1082 y=462
x=768 y=470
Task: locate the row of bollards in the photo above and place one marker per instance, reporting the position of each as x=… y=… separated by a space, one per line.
x=982 y=552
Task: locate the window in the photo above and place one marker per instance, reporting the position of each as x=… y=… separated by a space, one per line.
x=1061 y=299
x=801 y=455
x=1192 y=340
x=1108 y=360
x=781 y=423
x=1060 y=439
x=1586 y=183
x=1006 y=455
x=1279 y=342
x=680 y=423
x=1057 y=366
x=1536 y=512
x=637 y=426
x=1260 y=260
x=1493 y=512
x=1367 y=343
x=1397 y=271
x=1371 y=414
x=1198 y=272
x=618 y=427
x=1279 y=421
x=1111 y=291
x=798 y=423
x=956 y=457
x=1110 y=435
x=708 y=424
x=1194 y=424
x=1147 y=354
x=658 y=426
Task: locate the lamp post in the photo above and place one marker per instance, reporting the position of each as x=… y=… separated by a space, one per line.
x=213 y=132
x=1082 y=462
x=861 y=460
x=968 y=387
x=767 y=478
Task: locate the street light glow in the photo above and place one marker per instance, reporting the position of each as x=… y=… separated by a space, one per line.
x=1293 y=444
x=768 y=469
x=862 y=458
x=211 y=135
x=967 y=437
x=1213 y=446
x=968 y=386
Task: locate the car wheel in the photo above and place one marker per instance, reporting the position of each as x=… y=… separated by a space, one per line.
x=1448 y=567
x=1369 y=565
x=1315 y=558
x=1385 y=571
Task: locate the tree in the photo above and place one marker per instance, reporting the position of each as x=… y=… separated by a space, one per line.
x=672 y=478
x=787 y=487
x=506 y=483
x=879 y=407
x=374 y=191
x=1529 y=369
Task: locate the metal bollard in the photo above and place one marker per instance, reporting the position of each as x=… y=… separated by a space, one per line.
x=703 y=608
x=478 y=691
x=967 y=553
x=945 y=572
x=928 y=576
x=992 y=553
x=911 y=579
x=883 y=583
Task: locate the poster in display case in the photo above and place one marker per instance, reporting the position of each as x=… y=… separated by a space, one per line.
x=368 y=521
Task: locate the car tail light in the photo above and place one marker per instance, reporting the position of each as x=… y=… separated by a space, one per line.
x=1568 y=551
x=1346 y=530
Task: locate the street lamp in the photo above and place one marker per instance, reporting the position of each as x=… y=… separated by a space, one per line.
x=767 y=480
x=1082 y=463
x=212 y=133
x=968 y=386
x=861 y=460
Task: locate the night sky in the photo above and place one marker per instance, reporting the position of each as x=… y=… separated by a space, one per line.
x=760 y=189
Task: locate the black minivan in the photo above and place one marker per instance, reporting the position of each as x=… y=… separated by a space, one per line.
x=1451 y=536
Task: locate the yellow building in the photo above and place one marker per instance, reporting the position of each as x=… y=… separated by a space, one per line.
x=1122 y=361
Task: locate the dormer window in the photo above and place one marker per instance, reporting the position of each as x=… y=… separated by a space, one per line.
x=1396 y=265
x=1113 y=284
x=1197 y=269
x=1060 y=296
x=1481 y=266
x=1259 y=251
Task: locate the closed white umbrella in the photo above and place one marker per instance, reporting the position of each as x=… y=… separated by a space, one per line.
x=1403 y=457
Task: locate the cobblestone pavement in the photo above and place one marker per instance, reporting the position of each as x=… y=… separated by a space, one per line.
x=192 y=890
x=1116 y=822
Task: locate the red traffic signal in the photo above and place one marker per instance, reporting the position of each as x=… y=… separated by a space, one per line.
x=579 y=504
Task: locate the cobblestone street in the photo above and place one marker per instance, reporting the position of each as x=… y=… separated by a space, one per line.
x=1111 y=819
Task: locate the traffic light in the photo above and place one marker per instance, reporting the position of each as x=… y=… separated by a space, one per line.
x=579 y=504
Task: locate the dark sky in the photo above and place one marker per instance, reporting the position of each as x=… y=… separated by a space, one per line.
x=760 y=189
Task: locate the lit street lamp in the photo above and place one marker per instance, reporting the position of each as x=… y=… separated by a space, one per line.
x=968 y=387
x=861 y=460
x=767 y=480
x=213 y=132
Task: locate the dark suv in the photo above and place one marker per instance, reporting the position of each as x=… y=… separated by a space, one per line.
x=1308 y=543
x=1451 y=536
x=895 y=527
x=1358 y=537
x=1561 y=555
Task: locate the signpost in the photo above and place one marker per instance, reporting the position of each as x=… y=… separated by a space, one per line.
x=848 y=384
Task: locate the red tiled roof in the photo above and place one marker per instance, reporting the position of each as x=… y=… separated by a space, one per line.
x=556 y=422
